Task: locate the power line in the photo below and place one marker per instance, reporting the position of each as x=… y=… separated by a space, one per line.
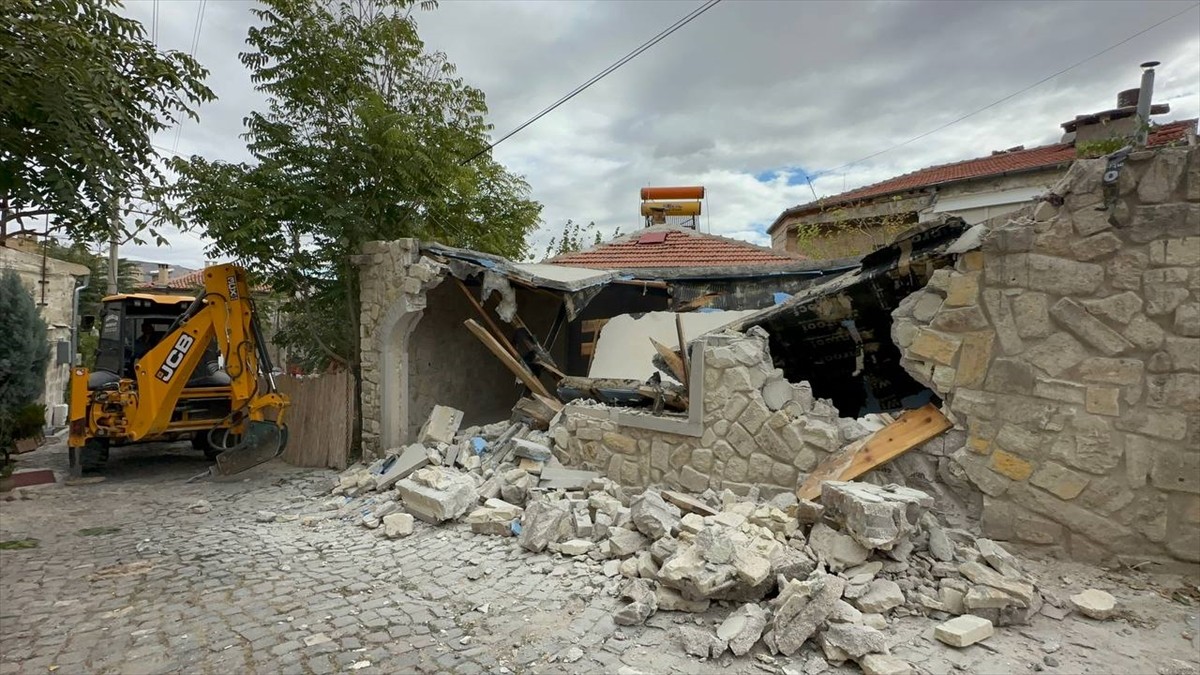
x=1014 y=94
x=685 y=20
x=192 y=53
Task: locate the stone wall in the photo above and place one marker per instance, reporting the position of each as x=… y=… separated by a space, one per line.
x=756 y=428
x=1069 y=349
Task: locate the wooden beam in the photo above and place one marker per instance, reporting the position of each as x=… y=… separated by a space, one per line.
x=673 y=359
x=683 y=355
x=511 y=362
x=908 y=431
x=487 y=318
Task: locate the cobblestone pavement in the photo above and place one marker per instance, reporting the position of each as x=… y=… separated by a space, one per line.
x=126 y=579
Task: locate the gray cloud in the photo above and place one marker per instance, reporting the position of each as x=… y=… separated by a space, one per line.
x=749 y=88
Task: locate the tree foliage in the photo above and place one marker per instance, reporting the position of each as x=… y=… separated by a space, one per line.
x=83 y=91
x=24 y=355
x=363 y=138
x=575 y=238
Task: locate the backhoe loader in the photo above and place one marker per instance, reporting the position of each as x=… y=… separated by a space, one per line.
x=171 y=367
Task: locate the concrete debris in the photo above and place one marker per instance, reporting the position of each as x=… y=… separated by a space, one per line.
x=436 y=494
x=855 y=640
x=742 y=628
x=701 y=643
x=802 y=606
x=876 y=517
x=440 y=427
x=495 y=517
x=1094 y=604
x=835 y=549
x=200 y=506
x=397 y=525
x=515 y=485
x=530 y=450
x=652 y=516
x=881 y=596
x=964 y=630
x=265 y=516
x=883 y=664
x=624 y=543
x=544 y=523
x=575 y=547
x=669 y=600
x=398 y=467
x=639 y=603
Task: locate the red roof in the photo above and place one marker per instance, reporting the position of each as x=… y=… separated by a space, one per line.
x=669 y=246
x=190 y=281
x=1005 y=162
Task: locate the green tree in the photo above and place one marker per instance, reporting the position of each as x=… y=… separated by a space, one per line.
x=83 y=91
x=363 y=137
x=575 y=238
x=24 y=355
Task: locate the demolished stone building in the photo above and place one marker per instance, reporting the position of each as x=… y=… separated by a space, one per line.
x=1061 y=340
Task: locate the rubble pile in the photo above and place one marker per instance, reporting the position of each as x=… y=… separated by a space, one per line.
x=828 y=575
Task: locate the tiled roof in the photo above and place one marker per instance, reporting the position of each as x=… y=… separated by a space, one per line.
x=1006 y=162
x=663 y=246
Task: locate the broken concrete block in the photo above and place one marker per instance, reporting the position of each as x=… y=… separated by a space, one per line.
x=838 y=550
x=558 y=478
x=583 y=524
x=809 y=512
x=515 y=485
x=639 y=603
x=669 y=600
x=441 y=426
x=844 y=612
x=939 y=544
x=715 y=545
x=1000 y=560
x=436 y=494
x=575 y=547
x=625 y=543
x=978 y=573
x=875 y=516
x=602 y=502
x=883 y=664
x=495 y=517
x=700 y=643
x=691 y=523
x=752 y=569
x=964 y=630
x=265 y=516
x=397 y=525
x=530 y=450
x=399 y=467
x=652 y=516
x=881 y=596
x=544 y=523
x=1094 y=604
x=743 y=627
x=857 y=640
x=802 y=607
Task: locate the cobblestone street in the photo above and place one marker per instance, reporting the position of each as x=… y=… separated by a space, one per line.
x=125 y=578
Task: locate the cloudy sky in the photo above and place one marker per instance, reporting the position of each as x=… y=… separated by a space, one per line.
x=748 y=100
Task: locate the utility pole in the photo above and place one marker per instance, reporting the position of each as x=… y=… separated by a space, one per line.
x=113 y=260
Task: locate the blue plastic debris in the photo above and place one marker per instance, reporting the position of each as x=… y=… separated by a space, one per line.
x=478 y=445
x=781 y=298
x=515 y=526
x=709 y=310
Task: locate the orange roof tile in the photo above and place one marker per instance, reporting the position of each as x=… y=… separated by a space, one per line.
x=981 y=167
x=669 y=246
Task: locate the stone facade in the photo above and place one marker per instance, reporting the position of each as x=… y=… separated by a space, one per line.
x=756 y=428
x=394 y=280
x=1068 y=348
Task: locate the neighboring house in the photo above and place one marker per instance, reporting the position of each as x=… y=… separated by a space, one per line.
x=857 y=221
x=52 y=284
x=156 y=273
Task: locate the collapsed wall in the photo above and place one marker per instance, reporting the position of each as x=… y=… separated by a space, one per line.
x=756 y=428
x=1069 y=349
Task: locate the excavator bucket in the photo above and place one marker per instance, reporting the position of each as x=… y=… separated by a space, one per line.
x=262 y=442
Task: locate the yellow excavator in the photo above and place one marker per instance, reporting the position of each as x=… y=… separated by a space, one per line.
x=170 y=367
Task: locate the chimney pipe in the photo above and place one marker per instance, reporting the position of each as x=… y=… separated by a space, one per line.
x=164 y=274
x=1145 y=94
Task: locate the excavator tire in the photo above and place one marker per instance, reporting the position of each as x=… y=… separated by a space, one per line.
x=201 y=441
x=93 y=455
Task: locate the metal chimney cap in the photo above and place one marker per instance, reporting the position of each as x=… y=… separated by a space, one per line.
x=1151 y=64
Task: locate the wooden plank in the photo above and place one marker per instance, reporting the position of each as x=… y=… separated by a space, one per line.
x=683 y=355
x=536 y=411
x=908 y=431
x=688 y=504
x=513 y=364
x=499 y=334
x=696 y=303
x=551 y=403
x=673 y=359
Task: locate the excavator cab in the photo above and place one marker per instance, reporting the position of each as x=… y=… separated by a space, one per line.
x=172 y=367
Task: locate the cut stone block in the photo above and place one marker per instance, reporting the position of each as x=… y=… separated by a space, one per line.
x=436 y=494
x=441 y=426
x=964 y=630
x=1094 y=604
x=875 y=516
x=397 y=525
